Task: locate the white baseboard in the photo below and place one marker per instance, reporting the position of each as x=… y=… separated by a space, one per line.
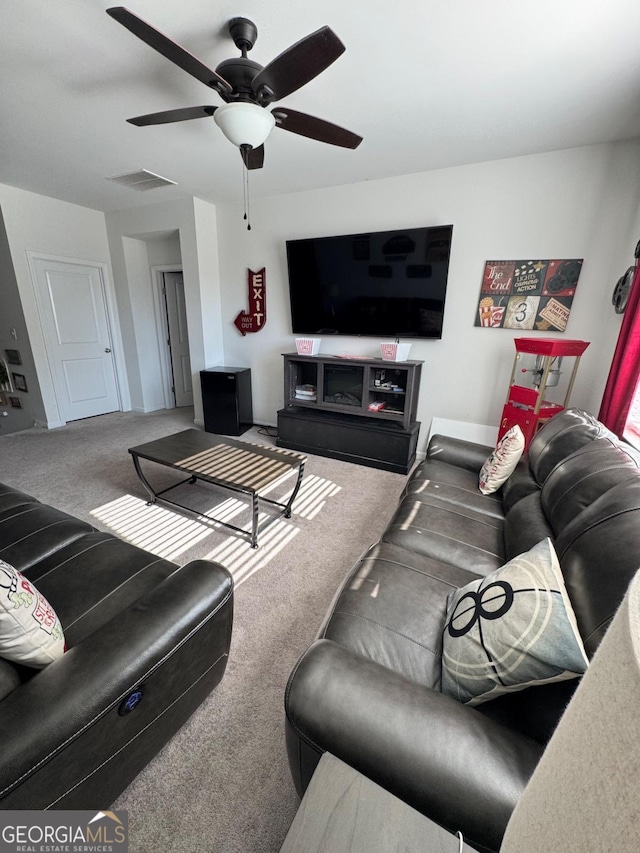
x=145 y=410
x=50 y=424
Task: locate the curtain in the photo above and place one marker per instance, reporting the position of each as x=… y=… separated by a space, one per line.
x=625 y=367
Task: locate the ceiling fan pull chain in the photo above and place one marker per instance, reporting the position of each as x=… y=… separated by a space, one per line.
x=244 y=189
x=245 y=151
x=247 y=214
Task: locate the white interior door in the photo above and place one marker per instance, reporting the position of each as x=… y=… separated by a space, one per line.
x=77 y=336
x=178 y=338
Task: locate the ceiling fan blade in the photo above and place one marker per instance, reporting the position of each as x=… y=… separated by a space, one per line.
x=315 y=128
x=297 y=65
x=184 y=114
x=253 y=157
x=172 y=51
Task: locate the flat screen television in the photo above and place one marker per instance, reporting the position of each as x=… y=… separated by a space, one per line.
x=385 y=284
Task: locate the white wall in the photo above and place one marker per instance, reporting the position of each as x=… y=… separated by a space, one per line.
x=40 y=224
x=128 y=230
x=579 y=203
x=14 y=335
x=164 y=251
x=145 y=377
x=129 y=242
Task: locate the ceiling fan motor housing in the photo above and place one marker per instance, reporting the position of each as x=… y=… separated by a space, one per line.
x=239 y=72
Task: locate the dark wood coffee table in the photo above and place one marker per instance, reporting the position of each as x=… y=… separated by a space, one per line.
x=221 y=461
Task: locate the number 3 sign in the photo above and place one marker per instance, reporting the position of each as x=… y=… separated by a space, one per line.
x=521 y=313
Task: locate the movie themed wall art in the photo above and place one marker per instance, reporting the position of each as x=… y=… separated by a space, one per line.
x=527 y=295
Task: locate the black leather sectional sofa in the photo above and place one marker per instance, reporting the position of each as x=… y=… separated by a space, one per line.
x=368 y=689
x=147 y=641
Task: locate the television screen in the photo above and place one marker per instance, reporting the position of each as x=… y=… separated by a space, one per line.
x=381 y=284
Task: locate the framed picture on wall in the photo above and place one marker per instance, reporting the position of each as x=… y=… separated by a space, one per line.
x=19 y=382
x=13 y=356
x=528 y=295
x=16 y=402
x=5 y=378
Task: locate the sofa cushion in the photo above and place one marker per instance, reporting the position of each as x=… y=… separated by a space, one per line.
x=30 y=631
x=31 y=531
x=510 y=630
x=535 y=711
x=391 y=609
x=501 y=463
x=11 y=499
x=94 y=578
x=9 y=678
x=599 y=552
x=520 y=484
x=560 y=436
x=449 y=533
x=583 y=476
x=434 y=479
x=525 y=526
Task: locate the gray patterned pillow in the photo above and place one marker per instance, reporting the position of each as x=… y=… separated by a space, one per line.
x=512 y=629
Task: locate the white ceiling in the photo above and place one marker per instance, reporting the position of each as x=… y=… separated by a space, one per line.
x=427 y=83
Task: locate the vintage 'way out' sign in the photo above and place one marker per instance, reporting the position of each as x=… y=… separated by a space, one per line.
x=254 y=319
x=529 y=295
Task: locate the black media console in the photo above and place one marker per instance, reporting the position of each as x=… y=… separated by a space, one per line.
x=354 y=409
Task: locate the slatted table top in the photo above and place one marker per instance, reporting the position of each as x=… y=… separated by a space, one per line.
x=221 y=460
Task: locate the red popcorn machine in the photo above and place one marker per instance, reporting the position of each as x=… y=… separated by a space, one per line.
x=536 y=369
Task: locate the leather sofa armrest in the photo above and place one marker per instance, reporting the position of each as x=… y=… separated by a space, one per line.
x=166 y=641
x=457 y=451
x=450 y=762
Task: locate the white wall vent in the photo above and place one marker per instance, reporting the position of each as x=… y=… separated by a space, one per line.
x=142 y=180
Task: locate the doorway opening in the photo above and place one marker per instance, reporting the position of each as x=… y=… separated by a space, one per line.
x=173 y=336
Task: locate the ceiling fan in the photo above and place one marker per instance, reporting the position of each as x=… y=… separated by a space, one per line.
x=249 y=88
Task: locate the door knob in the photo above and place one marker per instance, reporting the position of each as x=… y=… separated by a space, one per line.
x=106 y=349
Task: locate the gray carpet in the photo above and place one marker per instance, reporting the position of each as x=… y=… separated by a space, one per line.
x=222 y=784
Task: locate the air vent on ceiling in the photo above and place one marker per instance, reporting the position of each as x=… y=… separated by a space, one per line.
x=141 y=180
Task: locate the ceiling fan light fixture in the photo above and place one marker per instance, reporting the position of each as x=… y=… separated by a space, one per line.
x=247 y=87
x=244 y=124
